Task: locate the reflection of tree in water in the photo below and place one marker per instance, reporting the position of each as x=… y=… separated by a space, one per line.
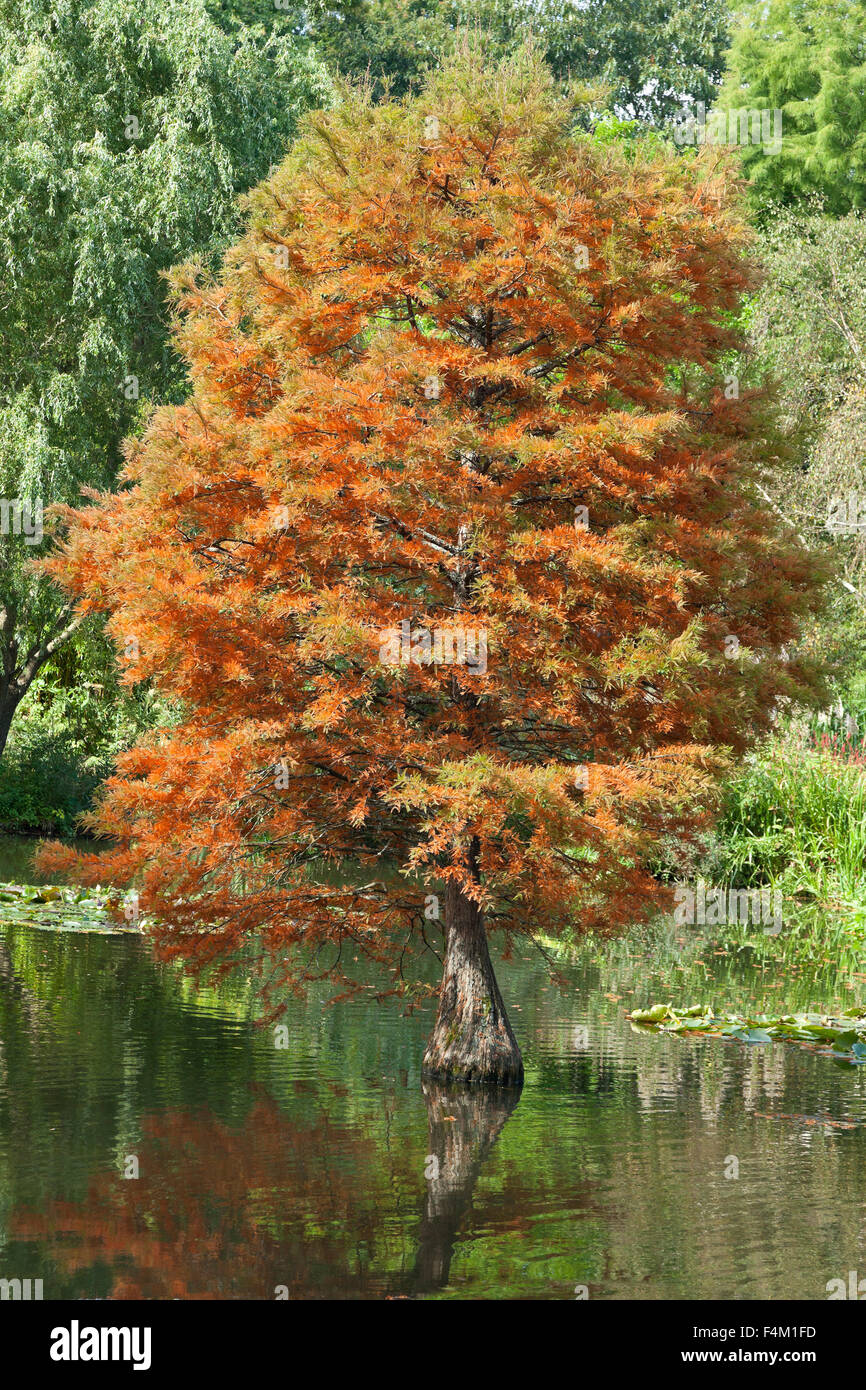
x=220 y=1212
x=225 y=1212
x=463 y=1125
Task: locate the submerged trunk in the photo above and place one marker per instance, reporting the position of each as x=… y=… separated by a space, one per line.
x=472 y=1039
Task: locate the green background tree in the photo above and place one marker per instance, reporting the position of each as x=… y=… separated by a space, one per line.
x=129 y=129
x=651 y=53
x=806 y=58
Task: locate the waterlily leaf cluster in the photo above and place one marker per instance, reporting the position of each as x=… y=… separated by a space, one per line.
x=843 y=1035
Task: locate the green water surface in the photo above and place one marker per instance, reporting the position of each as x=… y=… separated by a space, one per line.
x=325 y=1169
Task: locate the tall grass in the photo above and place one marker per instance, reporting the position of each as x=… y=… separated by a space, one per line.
x=795 y=817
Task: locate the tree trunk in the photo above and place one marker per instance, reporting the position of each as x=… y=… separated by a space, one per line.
x=8 y=706
x=472 y=1039
x=18 y=668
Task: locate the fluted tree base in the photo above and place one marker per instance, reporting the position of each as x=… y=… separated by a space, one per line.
x=472 y=1041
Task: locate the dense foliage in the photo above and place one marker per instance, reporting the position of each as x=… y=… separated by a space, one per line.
x=807 y=59
x=90 y=216
x=128 y=130
x=433 y=390
x=652 y=54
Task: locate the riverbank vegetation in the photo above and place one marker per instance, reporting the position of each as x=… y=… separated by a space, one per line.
x=794 y=816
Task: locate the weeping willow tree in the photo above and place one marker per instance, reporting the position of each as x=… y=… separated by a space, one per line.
x=127 y=130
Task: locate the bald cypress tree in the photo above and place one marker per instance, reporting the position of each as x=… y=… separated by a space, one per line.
x=451 y=561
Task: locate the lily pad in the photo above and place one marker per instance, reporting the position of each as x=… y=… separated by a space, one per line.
x=59 y=907
x=845 y=1034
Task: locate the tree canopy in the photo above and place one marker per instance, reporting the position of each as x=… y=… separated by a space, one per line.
x=806 y=58
x=653 y=54
x=452 y=559
x=128 y=132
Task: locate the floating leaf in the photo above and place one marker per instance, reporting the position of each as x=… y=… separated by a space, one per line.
x=848 y=1042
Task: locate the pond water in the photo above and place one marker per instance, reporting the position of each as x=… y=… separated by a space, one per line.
x=325 y=1169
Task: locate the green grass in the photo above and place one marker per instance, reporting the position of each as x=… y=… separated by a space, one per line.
x=795 y=817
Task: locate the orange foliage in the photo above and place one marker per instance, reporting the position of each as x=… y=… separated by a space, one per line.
x=451 y=324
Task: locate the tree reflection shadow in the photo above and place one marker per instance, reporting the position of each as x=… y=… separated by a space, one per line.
x=463 y=1125
x=273 y=1207
x=220 y=1211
